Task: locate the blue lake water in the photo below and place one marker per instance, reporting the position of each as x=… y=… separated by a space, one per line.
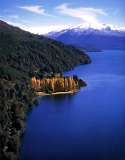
x=89 y=125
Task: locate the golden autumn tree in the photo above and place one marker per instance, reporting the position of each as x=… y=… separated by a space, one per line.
x=54 y=84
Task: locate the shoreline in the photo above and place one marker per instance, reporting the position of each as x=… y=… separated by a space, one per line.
x=57 y=93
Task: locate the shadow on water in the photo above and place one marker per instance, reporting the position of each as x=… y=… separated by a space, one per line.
x=59 y=97
x=57 y=103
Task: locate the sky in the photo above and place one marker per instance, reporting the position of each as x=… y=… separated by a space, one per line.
x=43 y=16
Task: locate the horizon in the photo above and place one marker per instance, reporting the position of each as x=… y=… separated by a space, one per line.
x=41 y=17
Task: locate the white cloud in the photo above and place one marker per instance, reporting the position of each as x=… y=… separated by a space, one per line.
x=35 y=9
x=45 y=29
x=38 y=29
x=87 y=15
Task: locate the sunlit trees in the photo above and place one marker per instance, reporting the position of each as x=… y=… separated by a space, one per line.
x=55 y=84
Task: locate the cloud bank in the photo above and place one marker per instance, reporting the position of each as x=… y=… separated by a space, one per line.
x=88 y=16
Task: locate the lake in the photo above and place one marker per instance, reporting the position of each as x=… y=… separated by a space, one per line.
x=89 y=125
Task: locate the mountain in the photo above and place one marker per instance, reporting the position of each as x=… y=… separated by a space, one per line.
x=91 y=39
x=24 y=51
x=22 y=54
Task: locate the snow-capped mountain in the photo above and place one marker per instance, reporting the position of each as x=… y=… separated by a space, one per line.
x=90 y=38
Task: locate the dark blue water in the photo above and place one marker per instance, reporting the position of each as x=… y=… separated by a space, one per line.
x=89 y=125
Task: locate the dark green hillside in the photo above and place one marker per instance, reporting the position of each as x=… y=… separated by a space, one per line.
x=21 y=55
x=26 y=52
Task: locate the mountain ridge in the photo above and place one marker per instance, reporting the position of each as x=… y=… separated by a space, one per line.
x=86 y=38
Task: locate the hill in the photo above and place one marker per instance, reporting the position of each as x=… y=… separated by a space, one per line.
x=21 y=50
x=22 y=54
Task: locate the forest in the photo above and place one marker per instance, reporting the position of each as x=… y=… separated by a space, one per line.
x=21 y=54
x=57 y=84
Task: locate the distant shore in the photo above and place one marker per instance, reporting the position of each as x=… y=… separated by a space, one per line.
x=56 y=93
